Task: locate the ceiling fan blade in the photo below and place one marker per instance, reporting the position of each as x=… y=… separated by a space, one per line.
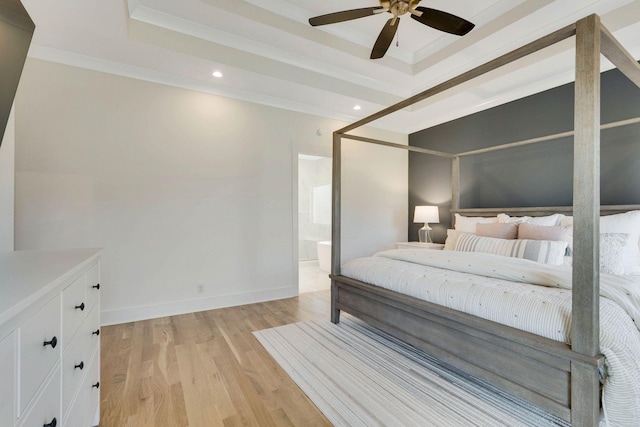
x=443 y=21
x=385 y=38
x=345 y=15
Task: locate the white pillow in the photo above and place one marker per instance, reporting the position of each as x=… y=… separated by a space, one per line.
x=611 y=248
x=450 y=242
x=533 y=220
x=567 y=233
x=627 y=223
x=452 y=239
x=467 y=224
x=543 y=251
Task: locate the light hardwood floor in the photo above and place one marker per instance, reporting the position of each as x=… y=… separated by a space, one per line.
x=205 y=369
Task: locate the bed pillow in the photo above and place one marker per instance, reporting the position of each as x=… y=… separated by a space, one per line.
x=467 y=224
x=497 y=230
x=627 y=223
x=566 y=223
x=450 y=241
x=548 y=220
x=611 y=249
x=452 y=238
x=543 y=251
x=539 y=232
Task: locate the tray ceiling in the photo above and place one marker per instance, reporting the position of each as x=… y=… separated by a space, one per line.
x=269 y=54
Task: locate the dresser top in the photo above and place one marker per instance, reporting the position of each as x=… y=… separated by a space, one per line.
x=27 y=276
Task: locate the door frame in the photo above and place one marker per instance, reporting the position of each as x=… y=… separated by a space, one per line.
x=311 y=149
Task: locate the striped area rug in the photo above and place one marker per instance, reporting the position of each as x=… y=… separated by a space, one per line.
x=359 y=376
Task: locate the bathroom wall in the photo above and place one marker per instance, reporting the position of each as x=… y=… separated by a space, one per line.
x=314 y=204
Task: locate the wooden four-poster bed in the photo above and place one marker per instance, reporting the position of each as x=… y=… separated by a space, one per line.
x=561 y=378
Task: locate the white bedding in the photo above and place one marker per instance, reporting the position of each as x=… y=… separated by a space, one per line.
x=526 y=295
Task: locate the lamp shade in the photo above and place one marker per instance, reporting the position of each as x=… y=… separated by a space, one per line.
x=426 y=214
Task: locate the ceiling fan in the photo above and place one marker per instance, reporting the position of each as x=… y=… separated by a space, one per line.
x=437 y=19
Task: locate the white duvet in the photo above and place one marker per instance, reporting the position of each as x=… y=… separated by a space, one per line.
x=526 y=295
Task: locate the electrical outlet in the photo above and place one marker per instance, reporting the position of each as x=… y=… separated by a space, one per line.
x=199 y=288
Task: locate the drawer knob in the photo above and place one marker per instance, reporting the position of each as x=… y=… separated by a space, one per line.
x=96 y=286
x=96 y=385
x=96 y=332
x=81 y=307
x=79 y=365
x=53 y=343
x=53 y=423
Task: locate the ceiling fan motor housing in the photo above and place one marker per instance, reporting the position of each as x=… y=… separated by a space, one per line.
x=399 y=7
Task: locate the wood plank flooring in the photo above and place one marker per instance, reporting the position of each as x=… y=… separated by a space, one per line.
x=205 y=369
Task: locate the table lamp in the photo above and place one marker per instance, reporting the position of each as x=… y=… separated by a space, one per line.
x=425 y=214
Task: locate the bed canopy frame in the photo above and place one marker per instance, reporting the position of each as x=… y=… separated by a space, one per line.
x=540 y=370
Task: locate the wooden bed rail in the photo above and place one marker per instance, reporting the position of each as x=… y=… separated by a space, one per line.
x=526 y=365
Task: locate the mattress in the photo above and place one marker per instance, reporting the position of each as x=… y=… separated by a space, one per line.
x=525 y=295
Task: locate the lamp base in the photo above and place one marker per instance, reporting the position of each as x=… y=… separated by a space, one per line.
x=423 y=234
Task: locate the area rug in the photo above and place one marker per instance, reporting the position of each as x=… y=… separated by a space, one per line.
x=359 y=376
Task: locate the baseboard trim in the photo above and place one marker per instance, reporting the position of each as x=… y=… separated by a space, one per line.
x=133 y=314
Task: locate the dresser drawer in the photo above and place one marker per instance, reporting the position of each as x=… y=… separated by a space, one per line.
x=93 y=286
x=84 y=407
x=36 y=357
x=91 y=329
x=46 y=407
x=7 y=380
x=75 y=363
x=76 y=357
x=74 y=305
x=93 y=382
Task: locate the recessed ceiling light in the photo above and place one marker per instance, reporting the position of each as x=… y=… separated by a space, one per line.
x=357 y=107
x=217 y=74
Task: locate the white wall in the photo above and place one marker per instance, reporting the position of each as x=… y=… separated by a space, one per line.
x=181 y=188
x=7 y=180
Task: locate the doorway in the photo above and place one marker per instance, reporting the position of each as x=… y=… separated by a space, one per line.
x=314 y=222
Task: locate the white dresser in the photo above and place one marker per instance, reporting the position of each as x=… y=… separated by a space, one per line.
x=50 y=338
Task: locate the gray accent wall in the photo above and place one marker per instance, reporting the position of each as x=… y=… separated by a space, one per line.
x=16 y=31
x=534 y=175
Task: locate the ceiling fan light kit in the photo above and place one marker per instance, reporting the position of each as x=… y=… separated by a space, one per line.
x=433 y=18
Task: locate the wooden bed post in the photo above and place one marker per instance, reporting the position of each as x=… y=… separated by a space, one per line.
x=336 y=185
x=585 y=337
x=455 y=187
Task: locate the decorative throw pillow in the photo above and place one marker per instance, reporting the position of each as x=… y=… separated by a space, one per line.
x=628 y=223
x=452 y=238
x=611 y=247
x=539 y=232
x=467 y=224
x=543 y=251
x=500 y=231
